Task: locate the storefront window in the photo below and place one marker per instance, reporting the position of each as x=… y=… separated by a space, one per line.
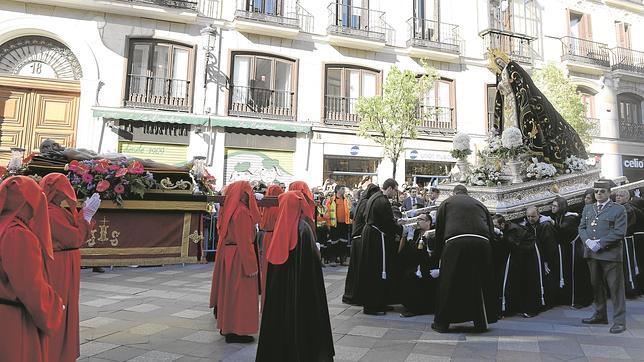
x=425 y=173
x=349 y=171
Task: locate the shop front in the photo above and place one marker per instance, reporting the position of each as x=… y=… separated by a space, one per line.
x=252 y=155
x=427 y=167
x=348 y=164
x=633 y=168
x=162 y=142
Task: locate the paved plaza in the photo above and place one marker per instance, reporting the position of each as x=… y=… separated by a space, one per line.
x=161 y=314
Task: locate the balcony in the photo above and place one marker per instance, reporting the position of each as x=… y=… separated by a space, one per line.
x=356 y=27
x=627 y=60
x=631 y=131
x=270 y=17
x=516 y=46
x=585 y=56
x=441 y=121
x=179 y=4
x=432 y=39
x=158 y=93
x=262 y=103
x=340 y=111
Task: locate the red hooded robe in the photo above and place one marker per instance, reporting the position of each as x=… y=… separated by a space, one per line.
x=30 y=309
x=234 y=293
x=69 y=231
x=269 y=217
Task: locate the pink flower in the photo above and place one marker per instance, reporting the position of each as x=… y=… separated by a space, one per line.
x=100 y=169
x=87 y=178
x=73 y=166
x=102 y=186
x=121 y=172
x=119 y=189
x=136 y=168
x=114 y=167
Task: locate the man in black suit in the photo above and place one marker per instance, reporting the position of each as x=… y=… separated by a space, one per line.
x=413 y=199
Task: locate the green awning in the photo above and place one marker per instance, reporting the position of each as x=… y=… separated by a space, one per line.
x=198 y=119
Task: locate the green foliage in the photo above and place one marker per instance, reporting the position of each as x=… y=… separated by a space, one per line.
x=562 y=93
x=390 y=119
x=460 y=154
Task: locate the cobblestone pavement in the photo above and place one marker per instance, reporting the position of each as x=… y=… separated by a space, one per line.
x=161 y=314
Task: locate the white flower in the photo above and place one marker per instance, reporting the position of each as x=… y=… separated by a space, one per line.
x=540 y=170
x=461 y=141
x=574 y=163
x=512 y=137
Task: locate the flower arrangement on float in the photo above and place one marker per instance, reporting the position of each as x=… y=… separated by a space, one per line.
x=17 y=164
x=461 y=146
x=575 y=164
x=512 y=145
x=112 y=179
x=485 y=176
x=539 y=170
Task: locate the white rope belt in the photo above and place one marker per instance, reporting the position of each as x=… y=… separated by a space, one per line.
x=467 y=236
x=543 y=302
x=505 y=282
x=628 y=261
x=561 y=277
x=384 y=260
x=573 y=269
x=637 y=268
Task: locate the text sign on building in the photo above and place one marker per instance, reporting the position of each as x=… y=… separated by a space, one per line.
x=429 y=155
x=633 y=168
x=635 y=163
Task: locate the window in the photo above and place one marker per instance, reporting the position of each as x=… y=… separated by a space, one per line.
x=159 y=75
x=353 y=14
x=269 y=7
x=516 y=16
x=588 y=100
x=629 y=110
x=344 y=85
x=623 y=32
x=441 y=98
x=426 y=19
x=579 y=26
x=263 y=85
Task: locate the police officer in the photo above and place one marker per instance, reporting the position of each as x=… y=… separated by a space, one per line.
x=602 y=229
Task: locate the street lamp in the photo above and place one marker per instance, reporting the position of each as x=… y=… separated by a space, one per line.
x=208 y=37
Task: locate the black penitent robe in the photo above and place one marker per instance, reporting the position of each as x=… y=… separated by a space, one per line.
x=631 y=269
x=521 y=283
x=417 y=293
x=359 y=217
x=466 y=289
x=544 y=233
x=295 y=319
x=638 y=240
x=548 y=136
x=374 y=289
x=577 y=289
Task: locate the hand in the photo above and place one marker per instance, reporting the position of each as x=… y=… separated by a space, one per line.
x=498 y=231
x=596 y=246
x=435 y=273
x=252 y=275
x=546 y=268
x=90 y=206
x=258 y=196
x=589 y=244
x=400 y=222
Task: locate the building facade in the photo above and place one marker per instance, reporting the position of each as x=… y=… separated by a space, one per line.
x=266 y=89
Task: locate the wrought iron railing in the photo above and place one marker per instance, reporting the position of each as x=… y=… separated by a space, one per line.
x=180 y=4
x=158 y=93
x=284 y=12
x=262 y=102
x=517 y=46
x=585 y=51
x=433 y=34
x=436 y=119
x=594 y=126
x=356 y=22
x=340 y=111
x=627 y=59
x=631 y=131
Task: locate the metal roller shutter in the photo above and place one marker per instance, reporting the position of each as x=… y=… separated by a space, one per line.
x=252 y=165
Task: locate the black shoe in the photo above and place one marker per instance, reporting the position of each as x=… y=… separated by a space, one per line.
x=617 y=328
x=370 y=311
x=389 y=308
x=440 y=328
x=595 y=320
x=479 y=328
x=407 y=314
x=98 y=269
x=577 y=306
x=234 y=338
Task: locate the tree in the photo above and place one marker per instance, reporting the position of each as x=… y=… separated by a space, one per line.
x=562 y=93
x=394 y=117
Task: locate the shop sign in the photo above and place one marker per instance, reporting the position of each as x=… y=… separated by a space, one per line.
x=337 y=149
x=634 y=163
x=164 y=153
x=429 y=155
x=354 y=150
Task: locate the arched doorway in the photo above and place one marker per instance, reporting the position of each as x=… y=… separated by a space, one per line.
x=39 y=94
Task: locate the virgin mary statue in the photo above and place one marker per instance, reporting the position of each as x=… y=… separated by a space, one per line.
x=521 y=104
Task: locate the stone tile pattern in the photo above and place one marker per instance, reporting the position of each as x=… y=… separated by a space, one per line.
x=161 y=314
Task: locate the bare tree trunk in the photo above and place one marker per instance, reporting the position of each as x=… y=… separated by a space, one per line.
x=395 y=162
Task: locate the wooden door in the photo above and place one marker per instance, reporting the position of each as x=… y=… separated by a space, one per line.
x=28 y=116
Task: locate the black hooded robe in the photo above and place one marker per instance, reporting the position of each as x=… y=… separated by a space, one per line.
x=352 y=279
x=376 y=283
x=295 y=319
x=418 y=292
x=466 y=290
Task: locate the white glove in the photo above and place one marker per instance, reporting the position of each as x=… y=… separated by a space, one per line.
x=596 y=246
x=90 y=206
x=258 y=196
x=498 y=232
x=435 y=273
